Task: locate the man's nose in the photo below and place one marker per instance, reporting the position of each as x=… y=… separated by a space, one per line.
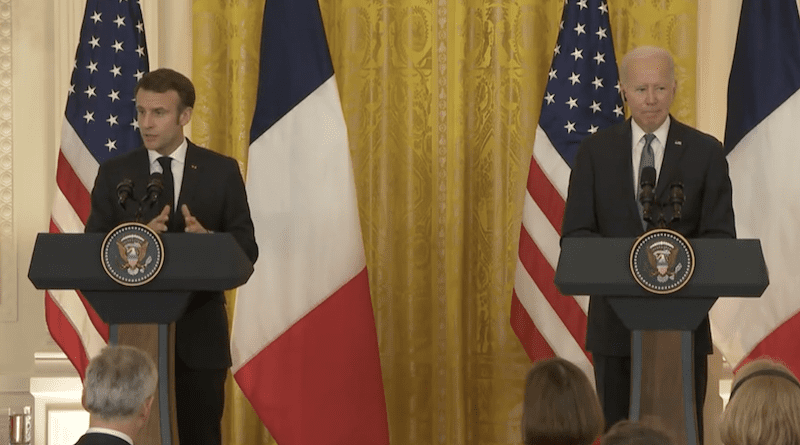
x=651 y=96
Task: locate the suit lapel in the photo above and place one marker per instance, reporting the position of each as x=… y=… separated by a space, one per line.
x=624 y=152
x=138 y=171
x=673 y=152
x=191 y=175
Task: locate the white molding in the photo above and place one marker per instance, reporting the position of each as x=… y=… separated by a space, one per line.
x=8 y=244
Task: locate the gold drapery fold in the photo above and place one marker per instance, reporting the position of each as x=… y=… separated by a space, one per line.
x=441 y=99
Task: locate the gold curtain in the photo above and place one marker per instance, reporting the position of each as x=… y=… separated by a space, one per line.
x=441 y=99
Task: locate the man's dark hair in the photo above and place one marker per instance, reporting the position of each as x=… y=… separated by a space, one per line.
x=165 y=79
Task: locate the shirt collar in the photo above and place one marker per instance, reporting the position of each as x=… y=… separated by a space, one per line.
x=179 y=155
x=661 y=132
x=110 y=432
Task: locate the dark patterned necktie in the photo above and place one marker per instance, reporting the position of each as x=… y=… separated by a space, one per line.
x=168 y=195
x=647 y=160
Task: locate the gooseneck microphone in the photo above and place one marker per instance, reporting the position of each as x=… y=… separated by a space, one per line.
x=647 y=182
x=155 y=185
x=124 y=191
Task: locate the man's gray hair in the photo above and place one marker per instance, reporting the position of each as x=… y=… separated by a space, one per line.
x=643 y=52
x=118 y=382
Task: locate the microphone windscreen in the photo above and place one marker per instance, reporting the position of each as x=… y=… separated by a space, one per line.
x=648 y=176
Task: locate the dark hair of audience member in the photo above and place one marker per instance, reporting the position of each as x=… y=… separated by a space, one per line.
x=626 y=432
x=560 y=406
x=764 y=408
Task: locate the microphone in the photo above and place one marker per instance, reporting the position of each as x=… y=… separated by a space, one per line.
x=155 y=185
x=124 y=191
x=676 y=198
x=647 y=182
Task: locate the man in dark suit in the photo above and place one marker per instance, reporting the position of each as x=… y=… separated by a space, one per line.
x=118 y=392
x=207 y=192
x=602 y=201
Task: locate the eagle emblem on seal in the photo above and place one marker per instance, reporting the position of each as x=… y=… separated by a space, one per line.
x=132 y=254
x=663 y=261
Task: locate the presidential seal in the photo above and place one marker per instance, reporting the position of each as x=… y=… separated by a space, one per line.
x=662 y=261
x=132 y=254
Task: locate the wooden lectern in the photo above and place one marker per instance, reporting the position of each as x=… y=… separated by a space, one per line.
x=662 y=381
x=192 y=262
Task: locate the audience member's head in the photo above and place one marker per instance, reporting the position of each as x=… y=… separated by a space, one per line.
x=560 y=406
x=764 y=408
x=626 y=432
x=119 y=387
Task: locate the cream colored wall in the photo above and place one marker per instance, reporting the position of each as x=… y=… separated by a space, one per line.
x=717 y=24
x=44 y=35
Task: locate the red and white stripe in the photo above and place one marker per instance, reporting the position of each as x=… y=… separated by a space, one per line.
x=72 y=322
x=547 y=323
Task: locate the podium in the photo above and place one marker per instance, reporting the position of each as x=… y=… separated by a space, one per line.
x=192 y=262
x=724 y=268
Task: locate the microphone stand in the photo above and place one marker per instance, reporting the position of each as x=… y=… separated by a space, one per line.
x=154 y=188
x=676 y=198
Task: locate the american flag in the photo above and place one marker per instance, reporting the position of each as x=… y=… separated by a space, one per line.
x=99 y=123
x=581 y=97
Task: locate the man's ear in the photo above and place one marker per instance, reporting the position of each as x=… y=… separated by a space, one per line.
x=185 y=117
x=83 y=400
x=622 y=93
x=146 y=406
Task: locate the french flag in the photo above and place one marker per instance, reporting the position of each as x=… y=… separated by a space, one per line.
x=762 y=138
x=304 y=343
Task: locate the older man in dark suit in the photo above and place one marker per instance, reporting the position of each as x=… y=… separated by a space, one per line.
x=203 y=193
x=602 y=201
x=118 y=392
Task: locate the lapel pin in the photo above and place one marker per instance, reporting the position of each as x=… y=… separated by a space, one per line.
x=194 y=167
x=678 y=142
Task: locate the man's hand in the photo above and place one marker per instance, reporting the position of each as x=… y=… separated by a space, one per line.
x=192 y=224
x=159 y=223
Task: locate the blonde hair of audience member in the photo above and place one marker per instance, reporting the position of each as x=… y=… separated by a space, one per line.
x=560 y=406
x=119 y=388
x=626 y=432
x=764 y=408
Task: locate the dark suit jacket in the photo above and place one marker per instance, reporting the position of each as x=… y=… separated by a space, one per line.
x=100 y=439
x=602 y=202
x=213 y=190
